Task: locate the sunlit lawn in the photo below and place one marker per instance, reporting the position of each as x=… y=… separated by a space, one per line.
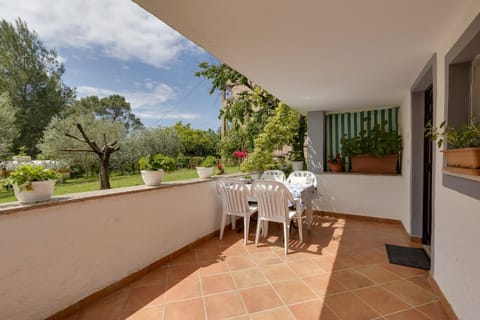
x=91 y=184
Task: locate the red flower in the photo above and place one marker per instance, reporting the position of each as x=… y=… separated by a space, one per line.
x=240 y=154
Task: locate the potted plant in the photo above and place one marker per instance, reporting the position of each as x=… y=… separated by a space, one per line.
x=297 y=158
x=335 y=164
x=377 y=151
x=32 y=183
x=205 y=170
x=463 y=154
x=153 y=169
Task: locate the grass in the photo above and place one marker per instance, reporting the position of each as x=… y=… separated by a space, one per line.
x=116 y=181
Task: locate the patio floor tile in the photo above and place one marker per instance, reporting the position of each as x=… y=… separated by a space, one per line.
x=260 y=298
x=340 y=273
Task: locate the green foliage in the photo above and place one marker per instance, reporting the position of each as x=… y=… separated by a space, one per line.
x=209 y=161
x=197 y=142
x=31 y=74
x=467 y=136
x=279 y=130
x=8 y=131
x=157 y=162
x=377 y=142
x=113 y=108
x=297 y=155
x=23 y=176
x=56 y=145
x=141 y=142
x=246 y=112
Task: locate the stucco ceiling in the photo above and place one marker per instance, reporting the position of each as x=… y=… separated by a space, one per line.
x=318 y=54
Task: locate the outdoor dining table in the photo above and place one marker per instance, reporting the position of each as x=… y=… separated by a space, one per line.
x=302 y=192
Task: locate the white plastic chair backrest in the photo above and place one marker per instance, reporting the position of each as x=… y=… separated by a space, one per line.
x=275 y=175
x=302 y=177
x=273 y=198
x=234 y=196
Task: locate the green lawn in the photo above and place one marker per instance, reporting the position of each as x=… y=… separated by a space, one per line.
x=91 y=184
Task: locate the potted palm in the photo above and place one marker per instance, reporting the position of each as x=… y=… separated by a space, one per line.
x=153 y=169
x=205 y=170
x=377 y=151
x=32 y=183
x=463 y=153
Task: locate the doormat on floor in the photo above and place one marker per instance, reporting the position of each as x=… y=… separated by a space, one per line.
x=406 y=256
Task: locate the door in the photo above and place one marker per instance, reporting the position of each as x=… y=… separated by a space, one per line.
x=427 y=171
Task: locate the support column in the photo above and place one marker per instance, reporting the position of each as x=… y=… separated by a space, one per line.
x=315 y=141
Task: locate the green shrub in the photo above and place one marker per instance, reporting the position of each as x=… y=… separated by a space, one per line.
x=183 y=162
x=209 y=161
x=23 y=176
x=156 y=163
x=376 y=143
x=196 y=162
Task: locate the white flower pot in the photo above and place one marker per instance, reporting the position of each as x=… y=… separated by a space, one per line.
x=40 y=191
x=204 y=172
x=297 y=165
x=152 y=178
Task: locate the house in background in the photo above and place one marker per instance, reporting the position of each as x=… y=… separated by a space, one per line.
x=322 y=56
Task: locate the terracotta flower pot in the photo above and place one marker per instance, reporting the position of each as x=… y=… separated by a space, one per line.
x=335 y=167
x=465 y=160
x=368 y=164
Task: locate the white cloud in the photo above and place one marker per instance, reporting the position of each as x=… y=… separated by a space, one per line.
x=147 y=105
x=120 y=28
x=157 y=95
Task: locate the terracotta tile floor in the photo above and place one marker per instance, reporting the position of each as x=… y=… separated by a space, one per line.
x=341 y=271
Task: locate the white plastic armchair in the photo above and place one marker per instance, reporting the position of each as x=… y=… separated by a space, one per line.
x=234 y=195
x=273 y=199
x=275 y=175
x=302 y=177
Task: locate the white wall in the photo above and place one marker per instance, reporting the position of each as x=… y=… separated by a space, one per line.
x=364 y=195
x=381 y=196
x=456 y=221
x=52 y=257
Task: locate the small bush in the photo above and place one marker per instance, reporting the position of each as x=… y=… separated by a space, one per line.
x=209 y=161
x=196 y=162
x=156 y=163
x=183 y=162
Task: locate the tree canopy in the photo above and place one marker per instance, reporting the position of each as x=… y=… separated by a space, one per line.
x=256 y=120
x=246 y=112
x=8 y=131
x=31 y=74
x=112 y=108
x=197 y=142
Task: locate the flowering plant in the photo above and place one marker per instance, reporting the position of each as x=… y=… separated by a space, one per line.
x=220 y=169
x=240 y=154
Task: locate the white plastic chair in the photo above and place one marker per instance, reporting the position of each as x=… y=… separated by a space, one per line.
x=273 y=200
x=275 y=175
x=302 y=177
x=234 y=198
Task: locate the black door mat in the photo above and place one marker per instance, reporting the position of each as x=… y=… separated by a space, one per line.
x=406 y=256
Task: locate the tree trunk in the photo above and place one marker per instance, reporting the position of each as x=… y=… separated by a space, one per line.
x=104 y=179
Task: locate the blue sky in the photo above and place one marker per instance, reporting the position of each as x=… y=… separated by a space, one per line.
x=115 y=47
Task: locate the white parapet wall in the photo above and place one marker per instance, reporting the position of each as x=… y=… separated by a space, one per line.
x=55 y=254
x=381 y=196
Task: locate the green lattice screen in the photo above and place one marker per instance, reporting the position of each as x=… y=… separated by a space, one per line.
x=351 y=123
